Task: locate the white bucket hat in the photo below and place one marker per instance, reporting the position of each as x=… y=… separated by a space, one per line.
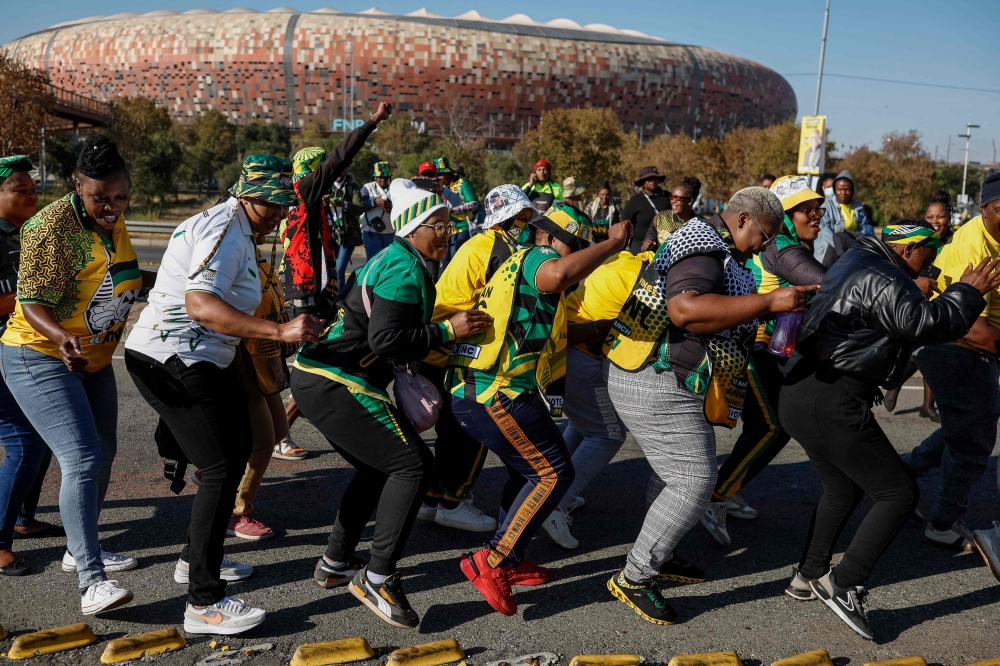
x=504 y=202
x=411 y=205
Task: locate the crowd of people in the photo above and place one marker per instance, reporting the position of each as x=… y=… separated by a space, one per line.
x=487 y=319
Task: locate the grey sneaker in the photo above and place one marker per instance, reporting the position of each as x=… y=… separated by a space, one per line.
x=714 y=521
x=799 y=588
x=847 y=603
x=737 y=507
x=226 y=617
x=988 y=544
x=957 y=537
x=229 y=571
x=387 y=600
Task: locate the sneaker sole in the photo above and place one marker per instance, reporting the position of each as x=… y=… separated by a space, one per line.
x=427 y=518
x=673 y=578
x=113 y=604
x=832 y=605
x=474 y=578
x=107 y=569
x=715 y=533
x=622 y=597
x=360 y=595
x=741 y=515
x=532 y=581
x=327 y=585
x=796 y=594
x=246 y=537
x=285 y=456
x=215 y=629
x=466 y=527
x=963 y=547
x=982 y=551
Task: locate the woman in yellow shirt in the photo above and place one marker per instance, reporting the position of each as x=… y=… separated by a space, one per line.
x=78 y=280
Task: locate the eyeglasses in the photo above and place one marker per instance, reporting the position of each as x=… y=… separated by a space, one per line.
x=812 y=212
x=442 y=229
x=767 y=239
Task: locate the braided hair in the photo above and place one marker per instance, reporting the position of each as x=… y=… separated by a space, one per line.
x=693 y=186
x=943 y=198
x=99 y=159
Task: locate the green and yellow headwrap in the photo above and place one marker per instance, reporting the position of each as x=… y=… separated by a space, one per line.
x=267 y=178
x=911 y=234
x=8 y=164
x=442 y=164
x=306 y=161
x=568 y=224
x=380 y=170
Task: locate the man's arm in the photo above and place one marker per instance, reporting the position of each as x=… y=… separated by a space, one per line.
x=984 y=338
x=314 y=185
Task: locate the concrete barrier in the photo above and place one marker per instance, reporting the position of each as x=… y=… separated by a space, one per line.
x=428 y=654
x=142 y=645
x=706 y=659
x=332 y=652
x=51 y=640
x=813 y=658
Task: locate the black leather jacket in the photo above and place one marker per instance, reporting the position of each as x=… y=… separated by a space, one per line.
x=869 y=316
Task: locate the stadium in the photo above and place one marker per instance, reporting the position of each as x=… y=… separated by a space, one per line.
x=290 y=67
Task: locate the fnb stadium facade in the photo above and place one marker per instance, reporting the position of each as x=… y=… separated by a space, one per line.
x=290 y=67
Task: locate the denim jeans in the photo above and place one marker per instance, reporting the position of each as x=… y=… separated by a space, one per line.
x=595 y=432
x=374 y=243
x=76 y=414
x=456 y=241
x=343 y=259
x=965 y=387
x=22 y=471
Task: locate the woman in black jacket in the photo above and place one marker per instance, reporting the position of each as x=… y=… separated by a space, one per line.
x=858 y=334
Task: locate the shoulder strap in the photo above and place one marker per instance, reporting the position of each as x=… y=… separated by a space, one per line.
x=655 y=209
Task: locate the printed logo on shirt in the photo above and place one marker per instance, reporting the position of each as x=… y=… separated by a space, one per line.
x=621 y=328
x=205 y=279
x=466 y=350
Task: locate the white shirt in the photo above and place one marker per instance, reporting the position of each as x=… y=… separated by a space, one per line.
x=164 y=329
x=370 y=192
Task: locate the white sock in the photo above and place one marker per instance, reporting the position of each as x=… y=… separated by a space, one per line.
x=376 y=579
x=336 y=565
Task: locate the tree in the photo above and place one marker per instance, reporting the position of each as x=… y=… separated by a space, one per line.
x=134 y=120
x=397 y=137
x=501 y=169
x=948 y=177
x=24 y=105
x=153 y=171
x=209 y=143
x=61 y=155
x=311 y=135
x=259 y=137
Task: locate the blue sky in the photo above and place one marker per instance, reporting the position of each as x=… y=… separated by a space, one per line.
x=953 y=43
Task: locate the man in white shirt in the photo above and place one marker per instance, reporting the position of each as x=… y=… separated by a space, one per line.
x=376 y=230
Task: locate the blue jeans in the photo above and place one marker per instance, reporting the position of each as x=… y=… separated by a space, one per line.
x=964 y=384
x=374 y=243
x=22 y=471
x=76 y=413
x=343 y=259
x=455 y=242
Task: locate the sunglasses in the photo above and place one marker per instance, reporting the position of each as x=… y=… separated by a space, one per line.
x=442 y=229
x=767 y=239
x=674 y=197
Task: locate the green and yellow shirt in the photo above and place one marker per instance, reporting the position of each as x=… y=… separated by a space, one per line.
x=89 y=280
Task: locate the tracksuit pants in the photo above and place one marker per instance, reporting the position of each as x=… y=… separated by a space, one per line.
x=829 y=414
x=762 y=438
x=392 y=463
x=523 y=435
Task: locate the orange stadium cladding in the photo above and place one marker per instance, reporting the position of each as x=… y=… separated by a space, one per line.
x=290 y=67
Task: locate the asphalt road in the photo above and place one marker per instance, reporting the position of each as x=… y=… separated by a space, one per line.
x=924 y=601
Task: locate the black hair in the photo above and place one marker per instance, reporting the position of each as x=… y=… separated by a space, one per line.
x=823 y=177
x=21 y=166
x=944 y=199
x=693 y=186
x=100 y=159
x=769 y=176
x=606 y=186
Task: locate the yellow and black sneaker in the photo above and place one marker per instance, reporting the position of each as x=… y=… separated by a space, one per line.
x=645 y=600
x=679 y=570
x=387 y=600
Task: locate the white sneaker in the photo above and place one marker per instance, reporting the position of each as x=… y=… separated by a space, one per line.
x=737 y=507
x=576 y=503
x=112 y=562
x=227 y=617
x=557 y=527
x=466 y=517
x=287 y=449
x=988 y=544
x=956 y=537
x=427 y=513
x=230 y=571
x=103 y=596
x=714 y=521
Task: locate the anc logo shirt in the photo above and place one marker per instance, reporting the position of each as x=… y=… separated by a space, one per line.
x=89 y=280
x=533 y=316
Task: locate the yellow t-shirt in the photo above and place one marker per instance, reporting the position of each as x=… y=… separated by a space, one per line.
x=850 y=223
x=602 y=294
x=970 y=245
x=89 y=280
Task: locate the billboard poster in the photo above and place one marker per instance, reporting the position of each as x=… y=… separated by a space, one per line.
x=812 y=146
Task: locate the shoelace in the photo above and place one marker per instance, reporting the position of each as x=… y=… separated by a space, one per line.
x=113 y=557
x=247 y=520
x=231 y=605
x=103 y=585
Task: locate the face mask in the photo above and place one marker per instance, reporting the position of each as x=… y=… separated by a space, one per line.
x=828 y=192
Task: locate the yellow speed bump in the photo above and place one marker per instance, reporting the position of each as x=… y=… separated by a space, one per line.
x=142 y=645
x=902 y=661
x=3 y=633
x=332 y=652
x=814 y=658
x=706 y=659
x=606 y=660
x=428 y=654
x=52 y=640
x=988 y=662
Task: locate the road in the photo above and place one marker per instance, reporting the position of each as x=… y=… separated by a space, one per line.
x=923 y=601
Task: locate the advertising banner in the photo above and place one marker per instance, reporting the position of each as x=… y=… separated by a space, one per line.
x=812 y=145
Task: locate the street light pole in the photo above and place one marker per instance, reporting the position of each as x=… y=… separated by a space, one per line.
x=965 y=172
x=822 y=57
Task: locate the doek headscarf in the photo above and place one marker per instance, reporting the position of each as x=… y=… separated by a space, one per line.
x=306 y=161
x=8 y=164
x=267 y=178
x=911 y=234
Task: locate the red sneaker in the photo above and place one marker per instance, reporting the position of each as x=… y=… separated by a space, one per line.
x=247 y=528
x=493 y=584
x=528 y=573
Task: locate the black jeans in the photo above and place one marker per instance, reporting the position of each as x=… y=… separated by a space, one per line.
x=393 y=466
x=830 y=416
x=205 y=407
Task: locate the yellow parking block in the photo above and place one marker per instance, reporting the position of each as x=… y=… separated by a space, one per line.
x=606 y=660
x=52 y=640
x=813 y=658
x=332 y=652
x=428 y=654
x=141 y=645
x=902 y=661
x=3 y=633
x=988 y=662
x=706 y=659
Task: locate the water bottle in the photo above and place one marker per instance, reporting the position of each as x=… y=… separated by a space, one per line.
x=786 y=330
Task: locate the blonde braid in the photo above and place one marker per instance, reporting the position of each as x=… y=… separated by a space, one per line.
x=215 y=249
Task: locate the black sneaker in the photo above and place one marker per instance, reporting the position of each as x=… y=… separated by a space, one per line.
x=326 y=576
x=387 y=600
x=679 y=570
x=645 y=600
x=847 y=603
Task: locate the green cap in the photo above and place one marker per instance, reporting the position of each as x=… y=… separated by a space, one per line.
x=380 y=170
x=442 y=164
x=306 y=161
x=570 y=225
x=8 y=164
x=267 y=178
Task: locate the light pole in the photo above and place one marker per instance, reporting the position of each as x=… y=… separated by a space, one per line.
x=965 y=172
x=822 y=57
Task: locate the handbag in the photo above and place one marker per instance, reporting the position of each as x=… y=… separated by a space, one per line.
x=415 y=395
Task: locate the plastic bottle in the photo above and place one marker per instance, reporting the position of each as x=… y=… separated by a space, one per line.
x=786 y=331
